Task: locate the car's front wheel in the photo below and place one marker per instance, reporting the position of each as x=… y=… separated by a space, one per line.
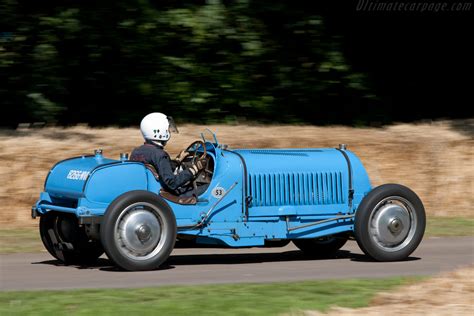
x=138 y=231
x=390 y=223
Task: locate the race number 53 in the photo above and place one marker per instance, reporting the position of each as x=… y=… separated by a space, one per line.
x=218 y=192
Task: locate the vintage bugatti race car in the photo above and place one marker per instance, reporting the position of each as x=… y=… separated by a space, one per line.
x=316 y=198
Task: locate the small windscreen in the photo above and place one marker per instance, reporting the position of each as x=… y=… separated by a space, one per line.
x=173 y=128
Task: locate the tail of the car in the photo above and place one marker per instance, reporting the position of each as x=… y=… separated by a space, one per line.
x=86 y=185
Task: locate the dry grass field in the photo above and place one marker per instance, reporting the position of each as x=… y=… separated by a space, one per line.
x=435 y=159
x=444 y=295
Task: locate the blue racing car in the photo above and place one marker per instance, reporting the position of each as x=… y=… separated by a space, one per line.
x=317 y=198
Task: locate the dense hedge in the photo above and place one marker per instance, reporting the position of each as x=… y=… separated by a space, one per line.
x=109 y=62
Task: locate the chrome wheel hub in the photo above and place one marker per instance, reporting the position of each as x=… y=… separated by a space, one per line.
x=143 y=233
x=395 y=226
x=139 y=231
x=393 y=223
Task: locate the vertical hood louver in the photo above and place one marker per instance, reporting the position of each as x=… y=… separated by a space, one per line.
x=295 y=177
x=315 y=188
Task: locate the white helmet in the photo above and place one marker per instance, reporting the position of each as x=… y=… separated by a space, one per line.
x=157 y=127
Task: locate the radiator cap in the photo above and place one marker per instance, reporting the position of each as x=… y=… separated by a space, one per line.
x=342 y=146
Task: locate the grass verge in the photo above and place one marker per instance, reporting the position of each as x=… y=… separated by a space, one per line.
x=28 y=239
x=14 y=240
x=230 y=299
x=450 y=226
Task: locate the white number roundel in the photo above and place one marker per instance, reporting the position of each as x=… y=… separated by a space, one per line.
x=218 y=192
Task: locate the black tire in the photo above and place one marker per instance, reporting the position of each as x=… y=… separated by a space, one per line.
x=276 y=243
x=390 y=223
x=71 y=245
x=148 y=232
x=321 y=247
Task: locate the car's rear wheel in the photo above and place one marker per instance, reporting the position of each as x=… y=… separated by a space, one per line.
x=390 y=223
x=66 y=240
x=138 y=231
x=321 y=247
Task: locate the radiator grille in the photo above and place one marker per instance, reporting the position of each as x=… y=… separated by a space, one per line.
x=296 y=188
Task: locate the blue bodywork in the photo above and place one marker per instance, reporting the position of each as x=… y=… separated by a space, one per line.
x=254 y=195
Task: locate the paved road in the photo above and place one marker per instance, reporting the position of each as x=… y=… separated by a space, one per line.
x=199 y=266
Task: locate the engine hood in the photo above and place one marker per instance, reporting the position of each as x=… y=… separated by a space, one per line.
x=302 y=177
x=68 y=177
x=292 y=160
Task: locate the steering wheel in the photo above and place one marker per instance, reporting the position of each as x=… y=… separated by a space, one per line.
x=192 y=150
x=193 y=153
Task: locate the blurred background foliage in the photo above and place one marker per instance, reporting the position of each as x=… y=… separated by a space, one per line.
x=110 y=62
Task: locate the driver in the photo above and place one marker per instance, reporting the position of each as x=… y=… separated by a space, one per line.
x=156 y=128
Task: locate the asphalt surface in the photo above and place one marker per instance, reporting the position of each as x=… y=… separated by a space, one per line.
x=204 y=266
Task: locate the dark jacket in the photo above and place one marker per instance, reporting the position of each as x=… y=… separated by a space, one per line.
x=156 y=156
